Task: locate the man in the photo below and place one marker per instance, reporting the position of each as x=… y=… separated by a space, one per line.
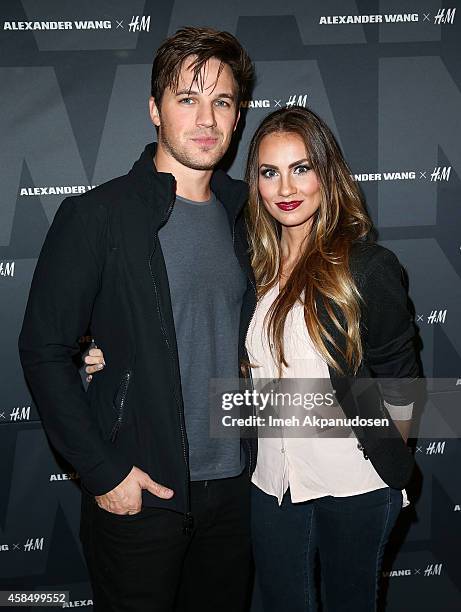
x=155 y=264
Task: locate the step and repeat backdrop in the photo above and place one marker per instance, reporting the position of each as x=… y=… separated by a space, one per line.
x=385 y=75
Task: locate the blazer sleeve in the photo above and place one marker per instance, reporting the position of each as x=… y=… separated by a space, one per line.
x=58 y=312
x=389 y=329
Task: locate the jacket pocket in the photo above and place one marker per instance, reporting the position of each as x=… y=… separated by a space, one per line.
x=119 y=403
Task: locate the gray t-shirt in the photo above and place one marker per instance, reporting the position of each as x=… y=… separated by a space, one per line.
x=206 y=286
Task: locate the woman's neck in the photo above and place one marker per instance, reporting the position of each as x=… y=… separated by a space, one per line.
x=291 y=243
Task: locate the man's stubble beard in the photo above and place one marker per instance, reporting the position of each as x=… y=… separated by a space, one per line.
x=181 y=156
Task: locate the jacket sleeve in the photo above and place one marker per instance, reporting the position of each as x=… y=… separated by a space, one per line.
x=58 y=312
x=389 y=331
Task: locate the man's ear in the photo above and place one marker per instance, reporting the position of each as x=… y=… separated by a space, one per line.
x=154 y=112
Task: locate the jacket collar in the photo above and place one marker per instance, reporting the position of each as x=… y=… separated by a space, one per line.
x=158 y=188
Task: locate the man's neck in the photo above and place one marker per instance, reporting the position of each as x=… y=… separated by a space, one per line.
x=190 y=184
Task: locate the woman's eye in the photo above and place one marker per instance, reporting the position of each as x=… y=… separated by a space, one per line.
x=302 y=169
x=268 y=173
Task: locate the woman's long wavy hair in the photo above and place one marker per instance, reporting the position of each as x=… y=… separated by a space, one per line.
x=322 y=270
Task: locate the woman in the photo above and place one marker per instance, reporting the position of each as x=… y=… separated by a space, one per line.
x=331 y=306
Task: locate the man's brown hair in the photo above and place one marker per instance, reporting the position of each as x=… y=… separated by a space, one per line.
x=203 y=44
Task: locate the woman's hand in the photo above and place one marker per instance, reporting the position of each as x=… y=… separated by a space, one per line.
x=95 y=362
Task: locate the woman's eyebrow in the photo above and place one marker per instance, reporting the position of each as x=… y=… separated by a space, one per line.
x=296 y=163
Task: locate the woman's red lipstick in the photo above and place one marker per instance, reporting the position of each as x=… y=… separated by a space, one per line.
x=287 y=206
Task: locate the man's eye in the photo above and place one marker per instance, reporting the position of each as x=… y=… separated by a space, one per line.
x=222 y=103
x=186 y=101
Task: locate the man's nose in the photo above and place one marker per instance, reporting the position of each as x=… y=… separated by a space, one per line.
x=206 y=116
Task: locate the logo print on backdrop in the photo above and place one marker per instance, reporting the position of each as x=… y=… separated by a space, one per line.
x=30 y=545
x=33 y=544
x=436 y=316
x=435 y=448
x=7 y=268
x=292 y=100
x=55 y=190
x=397 y=573
x=365 y=19
x=255 y=104
x=20 y=413
x=62 y=476
x=432 y=569
x=138 y=23
x=297 y=100
x=57 y=25
x=439 y=173
x=443 y=16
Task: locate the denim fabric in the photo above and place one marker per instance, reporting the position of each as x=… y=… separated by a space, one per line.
x=347 y=535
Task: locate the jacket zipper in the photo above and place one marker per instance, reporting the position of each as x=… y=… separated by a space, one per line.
x=123 y=390
x=188 y=520
x=250 y=463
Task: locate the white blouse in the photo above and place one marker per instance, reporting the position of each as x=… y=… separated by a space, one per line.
x=310 y=467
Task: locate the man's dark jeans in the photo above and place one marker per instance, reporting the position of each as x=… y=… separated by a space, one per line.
x=144 y=562
x=349 y=534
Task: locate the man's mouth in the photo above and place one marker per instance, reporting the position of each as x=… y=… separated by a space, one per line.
x=205 y=141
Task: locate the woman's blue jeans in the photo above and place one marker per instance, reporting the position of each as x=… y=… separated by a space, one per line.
x=348 y=533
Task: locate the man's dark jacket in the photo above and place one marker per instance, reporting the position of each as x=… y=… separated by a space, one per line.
x=102 y=268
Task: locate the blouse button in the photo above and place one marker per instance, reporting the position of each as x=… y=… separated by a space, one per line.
x=360 y=447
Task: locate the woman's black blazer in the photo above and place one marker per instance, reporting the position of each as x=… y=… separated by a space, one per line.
x=388 y=338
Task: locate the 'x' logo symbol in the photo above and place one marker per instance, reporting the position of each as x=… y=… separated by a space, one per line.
x=277 y=103
x=420 y=318
x=15 y=546
x=426 y=16
x=419 y=449
x=119 y=24
x=2 y=415
x=417 y=571
x=422 y=174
